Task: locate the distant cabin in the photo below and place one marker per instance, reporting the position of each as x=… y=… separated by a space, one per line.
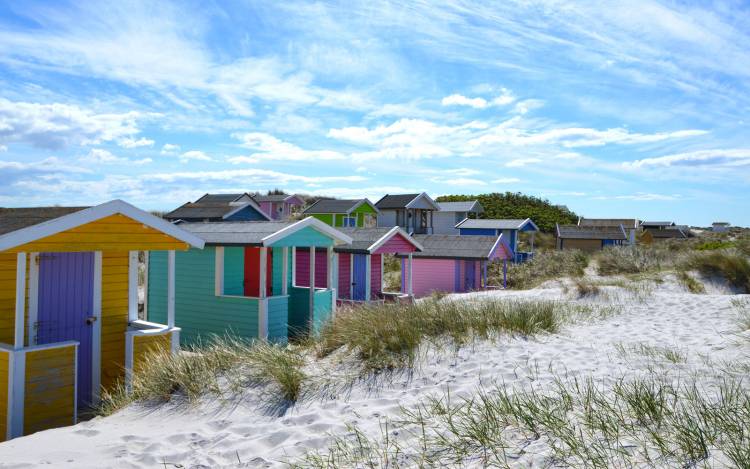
x=589 y=238
x=339 y=213
x=453 y=213
x=657 y=225
x=219 y=207
x=630 y=225
x=720 y=226
x=509 y=228
x=412 y=212
x=280 y=206
x=652 y=235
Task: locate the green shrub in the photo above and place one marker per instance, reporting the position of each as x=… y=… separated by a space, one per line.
x=714 y=245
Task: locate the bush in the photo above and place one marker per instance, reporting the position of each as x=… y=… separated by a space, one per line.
x=545 y=265
x=730 y=265
x=713 y=245
x=641 y=259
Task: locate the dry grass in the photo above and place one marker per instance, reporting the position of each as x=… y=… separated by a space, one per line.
x=546 y=265
x=728 y=264
x=690 y=283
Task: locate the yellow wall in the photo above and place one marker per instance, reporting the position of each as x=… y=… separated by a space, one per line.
x=144 y=344
x=114 y=233
x=7 y=297
x=4 y=370
x=114 y=316
x=50 y=389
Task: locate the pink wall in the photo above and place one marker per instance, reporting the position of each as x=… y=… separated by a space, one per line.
x=396 y=244
x=375 y=276
x=302 y=270
x=431 y=275
x=344 y=274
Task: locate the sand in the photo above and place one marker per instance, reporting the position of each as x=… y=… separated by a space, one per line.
x=250 y=432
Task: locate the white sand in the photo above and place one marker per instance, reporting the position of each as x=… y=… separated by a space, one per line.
x=249 y=434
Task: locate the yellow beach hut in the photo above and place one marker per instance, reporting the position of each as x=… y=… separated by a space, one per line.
x=69 y=322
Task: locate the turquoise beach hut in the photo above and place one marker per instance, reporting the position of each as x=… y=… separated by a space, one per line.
x=242 y=282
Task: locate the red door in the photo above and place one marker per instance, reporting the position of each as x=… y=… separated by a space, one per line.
x=252 y=272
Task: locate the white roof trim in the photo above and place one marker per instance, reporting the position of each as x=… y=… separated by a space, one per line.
x=392 y=232
x=252 y=204
x=528 y=220
x=88 y=215
x=307 y=222
x=429 y=199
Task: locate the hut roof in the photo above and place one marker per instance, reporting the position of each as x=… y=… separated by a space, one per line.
x=657 y=223
x=337 y=205
x=591 y=232
x=627 y=223
x=366 y=240
x=395 y=201
x=12 y=219
x=443 y=246
x=496 y=224
x=472 y=206
x=667 y=234
x=257 y=233
x=213 y=206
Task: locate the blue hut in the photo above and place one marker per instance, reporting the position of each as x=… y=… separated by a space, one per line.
x=243 y=282
x=510 y=230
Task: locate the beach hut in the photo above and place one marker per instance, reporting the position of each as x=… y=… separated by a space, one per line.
x=629 y=225
x=452 y=213
x=219 y=207
x=720 y=226
x=69 y=322
x=280 y=206
x=650 y=235
x=657 y=225
x=412 y=212
x=242 y=282
x=510 y=229
x=449 y=263
x=359 y=265
x=589 y=238
x=359 y=213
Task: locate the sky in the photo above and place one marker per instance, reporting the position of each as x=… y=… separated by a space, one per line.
x=614 y=109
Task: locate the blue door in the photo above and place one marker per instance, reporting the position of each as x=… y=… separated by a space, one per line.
x=66 y=301
x=359 y=270
x=469 y=275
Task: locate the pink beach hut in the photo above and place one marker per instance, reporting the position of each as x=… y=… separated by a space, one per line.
x=358 y=266
x=452 y=264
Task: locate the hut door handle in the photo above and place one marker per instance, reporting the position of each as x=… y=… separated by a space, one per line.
x=90 y=320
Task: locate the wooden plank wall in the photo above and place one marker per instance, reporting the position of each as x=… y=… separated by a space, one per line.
x=143 y=345
x=114 y=316
x=50 y=389
x=4 y=370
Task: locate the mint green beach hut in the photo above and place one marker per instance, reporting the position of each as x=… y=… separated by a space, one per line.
x=242 y=283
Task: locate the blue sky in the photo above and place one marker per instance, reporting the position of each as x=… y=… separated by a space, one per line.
x=626 y=109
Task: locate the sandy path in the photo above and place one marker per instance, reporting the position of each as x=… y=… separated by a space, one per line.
x=248 y=434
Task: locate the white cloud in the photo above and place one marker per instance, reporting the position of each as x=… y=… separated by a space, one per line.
x=170 y=149
x=523 y=107
x=269 y=147
x=699 y=160
x=641 y=196
x=55 y=126
x=133 y=143
x=520 y=162
x=194 y=155
x=505 y=98
x=506 y=181
x=3 y=148
x=459 y=181
x=101 y=156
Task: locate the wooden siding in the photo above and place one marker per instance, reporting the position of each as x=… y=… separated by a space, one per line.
x=321 y=309
x=587 y=245
x=430 y=275
x=143 y=345
x=198 y=311
x=344 y=280
x=234 y=270
x=50 y=389
x=305 y=237
x=375 y=273
x=397 y=244
x=114 y=316
x=247 y=214
x=299 y=311
x=113 y=233
x=326 y=218
x=4 y=371
x=303 y=267
x=7 y=297
x=278 y=319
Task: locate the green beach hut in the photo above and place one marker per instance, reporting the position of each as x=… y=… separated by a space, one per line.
x=353 y=213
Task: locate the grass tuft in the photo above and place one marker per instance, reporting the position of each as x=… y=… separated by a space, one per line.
x=545 y=265
x=690 y=283
x=730 y=265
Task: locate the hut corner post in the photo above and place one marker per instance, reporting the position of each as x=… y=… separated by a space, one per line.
x=263 y=295
x=505 y=273
x=17 y=358
x=332 y=276
x=311 y=318
x=409 y=282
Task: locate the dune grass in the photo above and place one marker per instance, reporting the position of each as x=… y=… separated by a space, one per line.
x=545 y=265
x=690 y=283
x=728 y=264
x=388 y=336
x=641 y=421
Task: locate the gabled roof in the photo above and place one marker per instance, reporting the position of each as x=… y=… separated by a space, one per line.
x=627 y=223
x=668 y=233
x=214 y=206
x=338 y=206
x=657 y=223
x=591 y=232
x=258 y=233
x=219 y=198
x=33 y=229
x=497 y=224
x=396 y=201
x=443 y=246
x=472 y=206
x=12 y=219
x=369 y=240
x=276 y=198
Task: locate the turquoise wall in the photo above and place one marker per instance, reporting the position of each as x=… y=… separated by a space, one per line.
x=322 y=309
x=234 y=270
x=298 y=311
x=198 y=311
x=304 y=238
x=278 y=319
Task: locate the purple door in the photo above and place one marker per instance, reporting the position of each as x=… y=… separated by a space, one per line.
x=469 y=275
x=66 y=299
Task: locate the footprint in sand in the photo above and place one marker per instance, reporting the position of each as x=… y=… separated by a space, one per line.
x=86 y=432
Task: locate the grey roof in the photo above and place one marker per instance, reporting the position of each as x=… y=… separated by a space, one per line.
x=235 y=233
x=272 y=197
x=657 y=223
x=362 y=238
x=218 y=198
x=443 y=246
x=670 y=233
x=395 y=200
x=627 y=223
x=334 y=206
x=492 y=224
x=590 y=232
x=466 y=206
x=201 y=211
x=12 y=219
